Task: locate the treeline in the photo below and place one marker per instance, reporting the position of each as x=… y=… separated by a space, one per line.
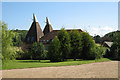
x=110 y=37
x=19 y=37
x=73 y=45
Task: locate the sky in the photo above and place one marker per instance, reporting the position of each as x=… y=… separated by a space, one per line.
x=97 y=18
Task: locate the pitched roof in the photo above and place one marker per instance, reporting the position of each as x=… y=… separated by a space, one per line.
x=35 y=32
x=52 y=34
x=48 y=28
x=109 y=44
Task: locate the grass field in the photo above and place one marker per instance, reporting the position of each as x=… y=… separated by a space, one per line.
x=18 y=64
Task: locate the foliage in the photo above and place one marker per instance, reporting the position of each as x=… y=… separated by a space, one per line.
x=19 y=37
x=87 y=45
x=54 y=52
x=37 y=50
x=97 y=39
x=111 y=36
x=64 y=39
x=20 y=54
x=7 y=35
x=75 y=44
x=44 y=55
x=97 y=52
x=115 y=48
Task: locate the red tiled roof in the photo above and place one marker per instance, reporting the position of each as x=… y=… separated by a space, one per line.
x=51 y=35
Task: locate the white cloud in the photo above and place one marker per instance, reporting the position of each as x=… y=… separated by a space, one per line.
x=100 y=30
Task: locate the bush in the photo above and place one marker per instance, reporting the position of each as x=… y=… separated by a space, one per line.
x=37 y=50
x=20 y=54
x=54 y=52
x=96 y=52
x=44 y=55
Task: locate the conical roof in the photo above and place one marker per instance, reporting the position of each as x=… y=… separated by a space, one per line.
x=35 y=32
x=48 y=28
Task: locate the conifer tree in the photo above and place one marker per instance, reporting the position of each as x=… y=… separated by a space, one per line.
x=64 y=39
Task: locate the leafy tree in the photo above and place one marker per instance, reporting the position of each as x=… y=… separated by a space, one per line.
x=19 y=37
x=115 y=48
x=7 y=35
x=87 y=45
x=110 y=36
x=97 y=39
x=37 y=50
x=54 y=52
x=64 y=39
x=97 y=52
x=75 y=44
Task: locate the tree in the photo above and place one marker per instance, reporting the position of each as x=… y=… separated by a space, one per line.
x=7 y=35
x=115 y=48
x=54 y=52
x=87 y=45
x=64 y=39
x=97 y=39
x=37 y=50
x=75 y=44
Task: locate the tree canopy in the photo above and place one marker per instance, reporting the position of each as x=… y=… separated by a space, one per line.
x=76 y=45
x=64 y=39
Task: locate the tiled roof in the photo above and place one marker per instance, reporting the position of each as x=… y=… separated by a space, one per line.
x=51 y=35
x=35 y=32
x=48 y=27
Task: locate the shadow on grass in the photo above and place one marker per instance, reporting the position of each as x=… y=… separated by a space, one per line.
x=44 y=61
x=34 y=61
x=114 y=59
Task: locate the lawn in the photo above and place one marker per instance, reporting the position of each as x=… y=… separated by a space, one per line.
x=18 y=64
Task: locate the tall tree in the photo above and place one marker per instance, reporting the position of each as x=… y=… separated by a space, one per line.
x=54 y=52
x=75 y=43
x=87 y=45
x=6 y=42
x=64 y=39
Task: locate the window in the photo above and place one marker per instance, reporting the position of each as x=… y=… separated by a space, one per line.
x=28 y=39
x=32 y=39
x=47 y=40
x=41 y=40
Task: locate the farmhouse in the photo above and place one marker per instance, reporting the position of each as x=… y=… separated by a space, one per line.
x=35 y=33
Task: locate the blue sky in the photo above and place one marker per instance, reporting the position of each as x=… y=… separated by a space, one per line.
x=93 y=17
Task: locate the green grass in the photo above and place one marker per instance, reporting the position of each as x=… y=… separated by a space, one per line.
x=18 y=64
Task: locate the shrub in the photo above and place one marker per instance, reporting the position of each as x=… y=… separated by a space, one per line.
x=96 y=52
x=37 y=50
x=20 y=54
x=44 y=55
